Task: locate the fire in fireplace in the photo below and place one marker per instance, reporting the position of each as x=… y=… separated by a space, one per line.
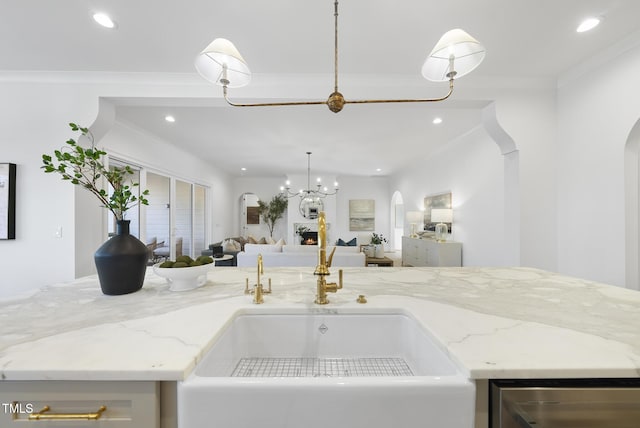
x=309 y=238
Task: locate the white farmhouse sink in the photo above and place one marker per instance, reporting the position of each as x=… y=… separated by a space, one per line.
x=325 y=370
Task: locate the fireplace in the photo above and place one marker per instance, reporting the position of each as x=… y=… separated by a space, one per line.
x=309 y=238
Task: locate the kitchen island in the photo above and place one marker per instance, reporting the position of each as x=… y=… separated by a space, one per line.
x=495 y=323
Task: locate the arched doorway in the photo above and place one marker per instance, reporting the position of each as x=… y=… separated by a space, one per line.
x=632 y=210
x=396 y=215
x=511 y=155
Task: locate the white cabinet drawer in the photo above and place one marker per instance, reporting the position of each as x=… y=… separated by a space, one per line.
x=425 y=252
x=68 y=404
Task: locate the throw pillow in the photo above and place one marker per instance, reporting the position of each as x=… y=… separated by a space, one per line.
x=228 y=245
x=342 y=243
x=240 y=240
x=262 y=240
x=251 y=240
x=231 y=245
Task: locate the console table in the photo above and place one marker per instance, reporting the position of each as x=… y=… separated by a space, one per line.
x=428 y=252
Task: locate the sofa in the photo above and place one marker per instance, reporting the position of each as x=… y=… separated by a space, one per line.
x=223 y=247
x=274 y=255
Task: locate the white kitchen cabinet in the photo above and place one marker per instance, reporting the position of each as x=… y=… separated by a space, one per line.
x=428 y=252
x=127 y=404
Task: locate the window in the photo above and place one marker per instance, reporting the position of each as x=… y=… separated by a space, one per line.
x=175 y=216
x=133 y=214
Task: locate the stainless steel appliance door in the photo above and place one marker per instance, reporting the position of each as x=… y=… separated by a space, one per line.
x=569 y=404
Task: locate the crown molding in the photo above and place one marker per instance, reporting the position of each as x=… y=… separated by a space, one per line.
x=599 y=60
x=99 y=77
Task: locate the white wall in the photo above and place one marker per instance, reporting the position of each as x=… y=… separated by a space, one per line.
x=165 y=158
x=157 y=212
x=36 y=109
x=596 y=113
x=571 y=167
x=265 y=188
x=528 y=116
x=336 y=207
x=472 y=169
x=34 y=121
x=375 y=188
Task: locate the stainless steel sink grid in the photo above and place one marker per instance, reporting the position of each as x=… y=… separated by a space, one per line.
x=321 y=367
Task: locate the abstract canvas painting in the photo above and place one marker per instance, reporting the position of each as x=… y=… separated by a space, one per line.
x=441 y=200
x=362 y=215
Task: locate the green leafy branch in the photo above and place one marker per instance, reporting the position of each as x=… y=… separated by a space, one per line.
x=378 y=238
x=302 y=230
x=83 y=167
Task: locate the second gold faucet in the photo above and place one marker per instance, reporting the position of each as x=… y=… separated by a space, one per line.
x=258 y=291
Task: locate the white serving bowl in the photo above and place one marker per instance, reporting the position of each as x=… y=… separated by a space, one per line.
x=186 y=278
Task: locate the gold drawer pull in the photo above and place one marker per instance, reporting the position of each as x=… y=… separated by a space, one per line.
x=42 y=415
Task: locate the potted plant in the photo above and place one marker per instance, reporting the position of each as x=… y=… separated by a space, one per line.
x=273 y=211
x=121 y=261
x=378 y=241
x=300 y=231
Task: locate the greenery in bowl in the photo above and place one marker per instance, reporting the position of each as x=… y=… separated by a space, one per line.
x=377 y=238
x=186 y=261
x=83 y=167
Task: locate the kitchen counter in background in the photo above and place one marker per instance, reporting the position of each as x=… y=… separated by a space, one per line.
x=495 y=322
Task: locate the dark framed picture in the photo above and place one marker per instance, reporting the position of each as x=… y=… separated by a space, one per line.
x=253 y=215
x=7 y=201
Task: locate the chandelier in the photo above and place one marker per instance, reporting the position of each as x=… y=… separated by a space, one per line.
x=455 y=55
x=310 y=199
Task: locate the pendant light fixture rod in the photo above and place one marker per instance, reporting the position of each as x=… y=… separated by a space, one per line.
x=336 y=100
x=335 y=49
x=308 y=172
x=285 y=103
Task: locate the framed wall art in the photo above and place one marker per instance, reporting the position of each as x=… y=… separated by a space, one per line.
x=7 y=201
x=362 y=215
x=441 y=200
x=253 y=215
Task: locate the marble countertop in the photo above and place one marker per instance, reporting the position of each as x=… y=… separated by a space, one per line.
x=494 y=322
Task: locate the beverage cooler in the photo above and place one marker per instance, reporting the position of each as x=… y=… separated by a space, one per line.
x=569 y=403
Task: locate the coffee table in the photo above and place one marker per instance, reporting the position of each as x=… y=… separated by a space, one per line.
x=383 y=261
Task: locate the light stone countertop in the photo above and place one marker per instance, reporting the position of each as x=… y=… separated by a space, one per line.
x=494 y=322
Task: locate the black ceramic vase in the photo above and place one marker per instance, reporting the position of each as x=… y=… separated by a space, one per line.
x=121 y=262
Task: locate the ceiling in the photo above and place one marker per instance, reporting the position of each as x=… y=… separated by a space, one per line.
x=378 y=39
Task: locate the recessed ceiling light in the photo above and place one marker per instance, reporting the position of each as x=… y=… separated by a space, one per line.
x=437 y=121
x=104 y=20
x=243 y=169
x=588 y=24
x=170 y=118
x=378 y=169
